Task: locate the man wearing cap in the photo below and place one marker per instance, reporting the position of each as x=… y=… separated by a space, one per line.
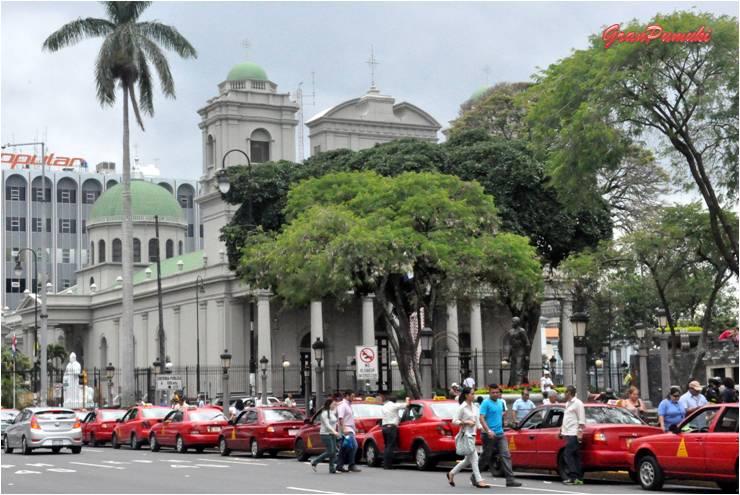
x=546 y=383
x=693 y=398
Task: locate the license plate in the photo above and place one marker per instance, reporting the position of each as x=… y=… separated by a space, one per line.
x=214 y=429
x=56 y=443
x=292 y=433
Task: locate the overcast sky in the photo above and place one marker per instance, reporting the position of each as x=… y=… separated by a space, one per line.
x=431 y=54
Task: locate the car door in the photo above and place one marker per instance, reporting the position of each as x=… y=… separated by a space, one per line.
x=14 y=431
x=524 y=440
x=88 y=425
x=124 y=431
x=407 y=428
x=314 y=434
x=689 y=452
x=721 y=445
x=246 y=429
x=548 y=439
x=165 y=434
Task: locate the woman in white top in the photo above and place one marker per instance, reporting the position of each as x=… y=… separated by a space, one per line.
x=328 y=434
x=468 y=418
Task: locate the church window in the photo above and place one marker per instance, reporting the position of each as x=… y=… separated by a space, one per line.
x=153 y=249
x=137 y=250
x=210 y=151
x=101 y=251
x=91 y=259
x=117 y=251
x=259 y=146
x=169 y=249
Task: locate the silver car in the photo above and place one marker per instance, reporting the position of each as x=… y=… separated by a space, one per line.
x=6 y=418
x=44 y=427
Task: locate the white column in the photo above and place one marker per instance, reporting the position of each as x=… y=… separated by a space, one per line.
x=264 y=337
x=453 y=345
x=476 y=342
x=144 y=342
x=368 y=319
x=567 y=349
x=176 y=337
x=317 y=331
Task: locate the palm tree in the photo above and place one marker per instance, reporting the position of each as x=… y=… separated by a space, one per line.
x=129 y=48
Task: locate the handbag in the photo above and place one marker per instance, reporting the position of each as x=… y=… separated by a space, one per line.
x=464 y=443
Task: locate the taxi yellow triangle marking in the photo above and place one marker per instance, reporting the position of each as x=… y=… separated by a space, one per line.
x=682 y=452
x=233 y=434
x=309 y=443
x=512 y=444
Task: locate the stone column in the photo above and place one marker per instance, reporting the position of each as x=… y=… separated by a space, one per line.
x=177 y=336
x=317 y=331
x=476 y=342
x=644 y=385
x=453 y=345
x=264 y=337
x=368 y=319
x=567 y=349
x=665 y=370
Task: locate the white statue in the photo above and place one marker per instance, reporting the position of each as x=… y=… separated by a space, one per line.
x=73 y=394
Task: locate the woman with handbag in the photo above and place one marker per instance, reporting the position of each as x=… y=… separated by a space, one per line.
x=468 y=419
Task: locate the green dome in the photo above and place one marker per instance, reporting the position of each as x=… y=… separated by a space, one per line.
x=147 y=199
x=247 y=70
x=479 y=92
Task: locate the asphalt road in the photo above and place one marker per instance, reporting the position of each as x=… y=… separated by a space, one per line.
x=104 y=470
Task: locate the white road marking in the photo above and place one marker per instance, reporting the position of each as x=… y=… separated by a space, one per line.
x=213 y=465
x=97 y=465
x=142 y=461
x=242 y=463
x=94 y=450
x=310 y=490
x=23 y=471
x=116 y=462
x=180 y=466
x=7 y=466
x=175 y=460
x=535 y=489
x=62 y=470
x=39 y=464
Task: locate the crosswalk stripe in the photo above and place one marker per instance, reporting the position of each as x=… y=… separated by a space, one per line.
x=62 y=470
x=243 y=463
x=97 y=465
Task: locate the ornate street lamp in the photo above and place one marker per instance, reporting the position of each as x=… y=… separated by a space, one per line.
x=109 y=371
x=580 y=322
x=665 y=372
x=263 y=367
x=225 y=365
x=286 y=365
x=318 y=352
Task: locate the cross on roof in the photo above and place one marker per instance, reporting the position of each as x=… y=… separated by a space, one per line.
x=372 y=62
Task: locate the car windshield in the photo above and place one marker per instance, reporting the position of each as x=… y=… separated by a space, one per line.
x=56 y=414
x=111 y=415
x=700 y=421
x=277 y=415
x=212 y=415
x=611 y=416
x=155 y=412
x=374 y=411
x=444 y=410
x=7 y=416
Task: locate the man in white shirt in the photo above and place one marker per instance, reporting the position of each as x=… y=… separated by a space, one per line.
x=391 y=418
x=546 y=383
x=574 y=421
x=469 y=381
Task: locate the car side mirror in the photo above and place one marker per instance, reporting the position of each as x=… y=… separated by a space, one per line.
x=307 y=421
x=232 y=421
x=119 y=420
x=674 y=429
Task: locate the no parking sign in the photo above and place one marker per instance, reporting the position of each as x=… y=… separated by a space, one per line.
x=366 y=357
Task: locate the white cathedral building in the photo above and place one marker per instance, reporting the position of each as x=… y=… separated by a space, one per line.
x=206 y=306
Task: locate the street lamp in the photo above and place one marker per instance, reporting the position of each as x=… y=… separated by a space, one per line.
x=580 y=322
x=286 y=365
x=426 y=354
x=641 y=332
x=200 y=288
x=109 y=370
x=18 y=273
x=318 y=353
x=168 y=365
x=504 y=365
x=263 y=368
x=394 y=364
x=353 y=367
x=665 y=372
x=225 y=365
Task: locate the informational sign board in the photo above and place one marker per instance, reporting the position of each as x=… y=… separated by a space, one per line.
x=366 y=357
x=169 y=382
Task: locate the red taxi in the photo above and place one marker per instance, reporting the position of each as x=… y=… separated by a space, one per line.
x=535 y=442
x=261 y=429
x=97 y=426
x=308 y=441
x=133 y=428
x=194 y=427
x=426 y=435
x=703 y=447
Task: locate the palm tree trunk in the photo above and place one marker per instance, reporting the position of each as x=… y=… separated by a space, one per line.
x=126 y=328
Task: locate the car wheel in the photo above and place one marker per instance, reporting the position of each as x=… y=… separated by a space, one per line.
x=371 y=455
x=300 y=450
x=650 y=472
x=180 y=445
x=423 y=458
x=153 y=443
x=562 y=467
x=56 y=450
x=223 y=448
x=114 y=441
x=135 y=443
x=76 y=450
x=25 y=449
x=6 y=445
x=254 y=448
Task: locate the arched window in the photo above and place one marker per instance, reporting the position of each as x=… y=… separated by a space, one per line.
x=210 y=151
x=92 y=281
x=259 y=146
x=116 y=254
x=179 y=248
x=101 y=251
x=137 y=250
x=153 y=249
x=169 y=249
x=103 y=353
x=91 y=254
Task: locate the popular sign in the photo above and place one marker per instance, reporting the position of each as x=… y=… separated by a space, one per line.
x=50 y=160
x=169 y=382
x=366 y=357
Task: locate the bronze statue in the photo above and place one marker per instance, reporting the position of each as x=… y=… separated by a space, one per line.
x=516 y=348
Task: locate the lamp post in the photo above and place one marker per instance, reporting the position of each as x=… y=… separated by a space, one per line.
x=225 y=365
x=109 y=370
x=263 y=367
x=598 y=364
x=18 y=273
x=318 y=354
x=665 y=371
x=504 y=365
x=426 y=361
x=580 y=321
x=286 y=364
x=353 y=367
x=641 y=332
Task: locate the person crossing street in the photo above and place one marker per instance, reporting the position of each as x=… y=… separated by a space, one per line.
x=390 y=421
x=346 y=426
x=492 y=413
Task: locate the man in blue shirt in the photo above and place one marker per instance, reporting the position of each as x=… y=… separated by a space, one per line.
x=522 y=406
x=492 y=422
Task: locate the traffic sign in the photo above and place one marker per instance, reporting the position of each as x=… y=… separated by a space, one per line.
x=169 y=382
x=366 y=357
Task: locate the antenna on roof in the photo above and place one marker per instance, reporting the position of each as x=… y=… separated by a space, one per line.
x=246 y=45
x=372 y=62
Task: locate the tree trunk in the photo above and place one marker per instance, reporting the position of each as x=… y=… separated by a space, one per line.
x=404 y=347
x=126 y=328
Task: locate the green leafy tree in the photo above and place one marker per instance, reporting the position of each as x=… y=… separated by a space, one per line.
x=590 y=108
x=22 y=364
x=413 y=240
x=129 y=50
x=500 y=111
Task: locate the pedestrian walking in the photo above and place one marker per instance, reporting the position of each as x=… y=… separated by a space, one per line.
x=546 y=383
x=469 y=381
x=391 y=418
x=346 y=423
x=574 y=421
x=289 y=402
x=328 y=434
x=711 y=391
x=729 y=394
x=521 y=406
x=201 y=401
x=491 y=419
x=468 y=419
x=670 y=410
x=454 y=391
x=693 y=399
x=552 y=397
x=633 y=403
